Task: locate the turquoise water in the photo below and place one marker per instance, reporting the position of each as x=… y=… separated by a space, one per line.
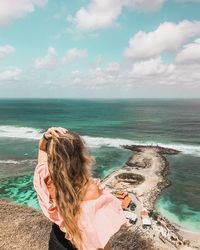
x=180 y=202
x=16 y=177
x=106 y=125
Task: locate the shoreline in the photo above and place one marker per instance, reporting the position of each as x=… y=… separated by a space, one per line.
x=150 y=163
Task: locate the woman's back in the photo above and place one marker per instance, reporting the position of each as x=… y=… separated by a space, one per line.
x=92 y=189
x=87 y=213
x=101 y=214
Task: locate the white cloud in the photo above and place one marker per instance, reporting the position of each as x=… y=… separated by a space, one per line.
x=98 y=13
x=74 y=54
x=153 y=77
x=154 y=66
x=51 y=60
x=188 y=1
x=47 y=62
x=102 y=13
x=152 y=72
x=168 y=37
x=10 y=74
x=113 y=67
x=190 y=54
x=94 y=78
x=5 y=50
x=146 y=5
x=10 y=9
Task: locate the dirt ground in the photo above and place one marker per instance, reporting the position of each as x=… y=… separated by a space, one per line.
x=23 y=228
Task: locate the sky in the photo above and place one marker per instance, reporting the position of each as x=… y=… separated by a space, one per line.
x=100 y=49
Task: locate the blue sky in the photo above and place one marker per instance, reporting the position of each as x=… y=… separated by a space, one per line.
x=100 y=48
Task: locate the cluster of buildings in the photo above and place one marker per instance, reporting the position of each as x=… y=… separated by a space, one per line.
x=129 y=209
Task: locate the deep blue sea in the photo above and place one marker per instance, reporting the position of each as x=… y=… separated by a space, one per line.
x=106 y=125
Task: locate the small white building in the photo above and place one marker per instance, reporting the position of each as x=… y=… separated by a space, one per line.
x=146 y=222
x=130 y=216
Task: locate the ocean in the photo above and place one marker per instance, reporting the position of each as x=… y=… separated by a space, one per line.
x=106 y=125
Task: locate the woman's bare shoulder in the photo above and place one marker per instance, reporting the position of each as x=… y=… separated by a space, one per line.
x=92 y=191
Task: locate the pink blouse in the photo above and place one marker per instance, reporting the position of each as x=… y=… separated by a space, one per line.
x=99 y=218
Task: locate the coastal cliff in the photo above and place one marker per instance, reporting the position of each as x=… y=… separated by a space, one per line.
x=22 y=228
x=143 y=178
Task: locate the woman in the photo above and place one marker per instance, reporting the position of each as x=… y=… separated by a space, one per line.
x=84 y=214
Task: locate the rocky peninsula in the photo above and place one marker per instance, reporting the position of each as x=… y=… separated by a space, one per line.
x=143 y=177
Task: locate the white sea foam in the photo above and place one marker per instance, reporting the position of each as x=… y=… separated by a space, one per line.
x=9 y=161
x=20 y=132
x=110 y=142
x=35 y=134
x=116 y=142
x=17 y=161
x=190 y=222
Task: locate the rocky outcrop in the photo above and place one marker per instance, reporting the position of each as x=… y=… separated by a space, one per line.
x=22 y=228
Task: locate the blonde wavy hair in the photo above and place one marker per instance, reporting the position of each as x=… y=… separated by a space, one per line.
x=70 y=166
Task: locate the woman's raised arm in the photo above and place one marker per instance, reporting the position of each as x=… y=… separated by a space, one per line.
x=53 y=131
x=42 y=155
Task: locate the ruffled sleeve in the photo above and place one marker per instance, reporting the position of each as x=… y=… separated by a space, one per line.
x=103 y=219
x=45 y=193
x=109 y=217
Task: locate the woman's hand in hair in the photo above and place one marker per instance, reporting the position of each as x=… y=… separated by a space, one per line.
x=51 y=132
x=54 y=131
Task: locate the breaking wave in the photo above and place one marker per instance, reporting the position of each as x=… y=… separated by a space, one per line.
x=35 y=134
